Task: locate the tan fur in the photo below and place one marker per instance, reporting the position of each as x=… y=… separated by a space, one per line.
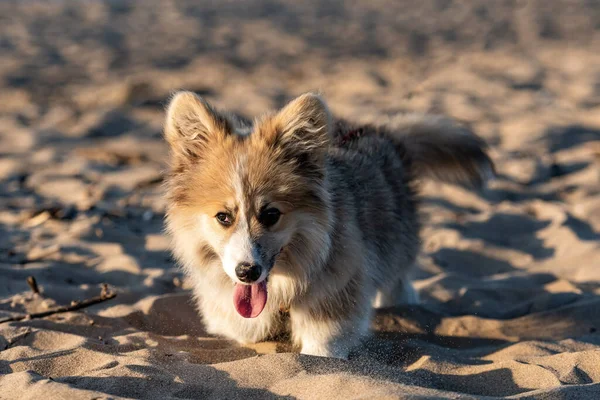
x=348 y=234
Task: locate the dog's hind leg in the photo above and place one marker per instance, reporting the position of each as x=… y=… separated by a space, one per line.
x=403 y=292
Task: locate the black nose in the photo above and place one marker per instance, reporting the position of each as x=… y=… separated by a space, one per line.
x=247 y=272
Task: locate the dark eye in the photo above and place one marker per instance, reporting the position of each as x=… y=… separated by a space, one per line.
x=224 y=219
x=269 y=217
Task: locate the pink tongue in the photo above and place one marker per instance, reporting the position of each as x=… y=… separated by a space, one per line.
x=249 y=300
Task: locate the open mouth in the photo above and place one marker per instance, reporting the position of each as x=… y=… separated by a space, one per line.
x=250 y=300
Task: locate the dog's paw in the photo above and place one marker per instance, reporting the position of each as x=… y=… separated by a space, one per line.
x=316 y=349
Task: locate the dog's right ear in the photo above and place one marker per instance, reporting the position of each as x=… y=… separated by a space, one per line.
x=191 y=124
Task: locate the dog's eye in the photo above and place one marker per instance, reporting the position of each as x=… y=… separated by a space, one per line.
x=224 y=219
x=269 y=217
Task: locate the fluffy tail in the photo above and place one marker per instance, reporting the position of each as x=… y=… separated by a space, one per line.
x=438 y=148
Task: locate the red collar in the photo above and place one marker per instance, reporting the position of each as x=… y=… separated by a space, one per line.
x=350 y=136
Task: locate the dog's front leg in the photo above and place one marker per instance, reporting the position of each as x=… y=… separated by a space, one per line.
x=323 y=336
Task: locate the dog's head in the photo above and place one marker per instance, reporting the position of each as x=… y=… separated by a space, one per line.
x=247 y=192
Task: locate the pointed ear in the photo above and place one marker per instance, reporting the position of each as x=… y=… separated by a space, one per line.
x=303 y=124
x=191 y=123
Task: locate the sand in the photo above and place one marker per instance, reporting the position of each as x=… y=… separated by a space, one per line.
x=509 y=276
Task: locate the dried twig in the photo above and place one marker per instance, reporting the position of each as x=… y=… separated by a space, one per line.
x=33 y=284
x=105 y=295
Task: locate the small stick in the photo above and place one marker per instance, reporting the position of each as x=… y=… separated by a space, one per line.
x=74 y=306
x=33 y=285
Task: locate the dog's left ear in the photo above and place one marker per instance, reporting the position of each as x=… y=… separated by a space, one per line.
x=191 y=125
x=303 y=124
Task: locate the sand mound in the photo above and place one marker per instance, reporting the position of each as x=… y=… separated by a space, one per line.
x=508 y=277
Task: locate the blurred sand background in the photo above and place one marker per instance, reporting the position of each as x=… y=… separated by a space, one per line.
x=510 y=277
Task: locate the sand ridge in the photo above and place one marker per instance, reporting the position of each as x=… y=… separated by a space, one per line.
x=508 y=276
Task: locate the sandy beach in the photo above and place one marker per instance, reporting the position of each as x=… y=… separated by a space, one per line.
x=509 y=276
